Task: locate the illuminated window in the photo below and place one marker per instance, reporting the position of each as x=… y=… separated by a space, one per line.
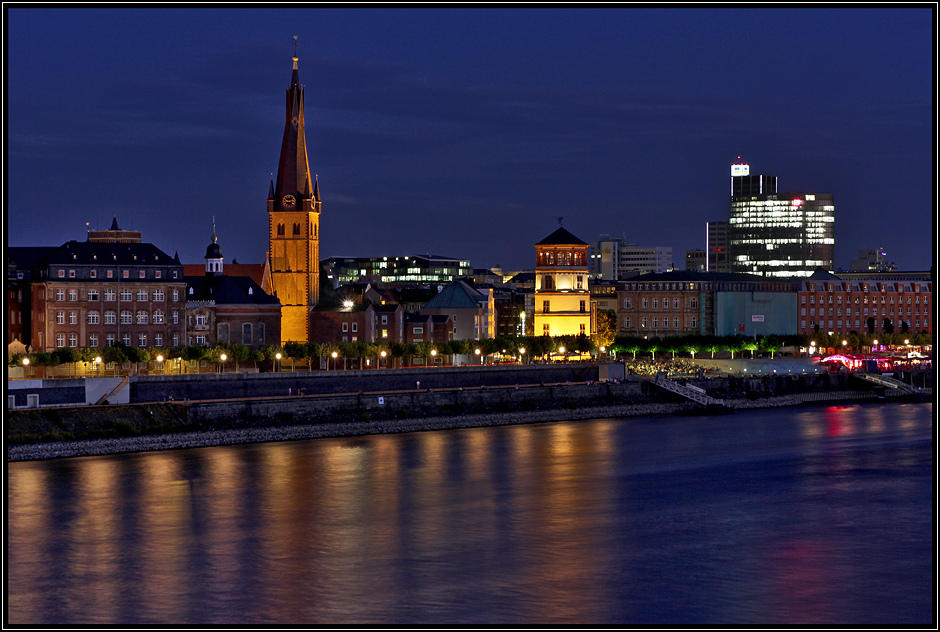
x=645 y=323
x=158 y=317
x=546 y=307
x=126 y=274
x=142 y=318
x=62 y=275
x=141 y=340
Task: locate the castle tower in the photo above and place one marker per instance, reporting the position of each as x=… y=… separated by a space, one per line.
x=562 y=297
x=293 y=224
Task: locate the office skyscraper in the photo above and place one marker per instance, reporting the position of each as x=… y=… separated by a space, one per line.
x=778 y=234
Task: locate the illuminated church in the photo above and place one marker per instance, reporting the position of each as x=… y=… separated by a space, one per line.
x=293 y=225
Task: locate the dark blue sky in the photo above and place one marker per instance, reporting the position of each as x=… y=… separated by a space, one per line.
x=466 y=132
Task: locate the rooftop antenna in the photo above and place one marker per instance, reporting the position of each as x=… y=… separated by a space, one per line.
x=559 y=221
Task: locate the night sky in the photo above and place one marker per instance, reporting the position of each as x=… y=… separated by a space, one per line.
x=466 y=132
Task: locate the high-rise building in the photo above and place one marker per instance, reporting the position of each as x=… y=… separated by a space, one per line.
x=696 y=260
x=614 y=259
x=778 y=234
x=293 y=225
x=717 y=247
x=872 y=261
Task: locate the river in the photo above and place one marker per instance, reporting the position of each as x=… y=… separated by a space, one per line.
x=786 y=516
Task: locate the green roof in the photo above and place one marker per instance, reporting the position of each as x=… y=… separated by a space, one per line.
x=457 y=295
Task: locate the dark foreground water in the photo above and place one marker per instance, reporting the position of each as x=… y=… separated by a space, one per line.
x=781 y=516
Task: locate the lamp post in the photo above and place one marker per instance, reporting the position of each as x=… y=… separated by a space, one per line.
x=97 y=366
x=222 y=357
x=25 y=368
x=562 y=351
x=383 y=354
x=277 y=357
x=159 y=362
x=334 y=354
x=477 y=351
x=521 y=355
x=433 y=356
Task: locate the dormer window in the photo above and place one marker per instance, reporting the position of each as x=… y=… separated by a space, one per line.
x=250 y=291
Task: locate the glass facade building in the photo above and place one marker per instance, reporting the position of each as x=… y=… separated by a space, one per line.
x=413 y=269
x=779 y=234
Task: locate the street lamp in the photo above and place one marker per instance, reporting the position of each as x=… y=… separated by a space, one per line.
x=159 y=362
x=477 y=351
x=561 y=350
x=433 y=355
x=334 y=354
x=97 y=365
x=222 y=357
x=521 y=354
x=25 y=367
x=383 y=354
x=277 y=357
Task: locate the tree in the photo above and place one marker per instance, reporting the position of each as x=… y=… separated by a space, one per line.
x=606 y=326
x=871 y=324
x=888 y=326
x=295 y=351
x=904 y=326
x=240 y=353
x=770 y=343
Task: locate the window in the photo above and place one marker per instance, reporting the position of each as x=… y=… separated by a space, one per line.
x=802 y=311
x=581 y=305
x=142 y=295
x=73 y=340
x=385 y=333
x=73 y=318
x=109 y=295
x=545 y=330
x=693 y=322
x=246 y=333
x=176 y=295
x=126 y=295
x=546 y=307
x=61 y=274
x=92 y=295
x=580 y=283
x=126 y=274
x=627 y=303
x=355 y=326
x=345 y=327
x=803 y=299
x=60 y=318
x=176 y=317
x=583 y=331
x=693 y=303
x=646 y=303
x=141 y=340
x=141 y=274
x=73 y=295
x=158 y=274
x=158 y=317
x=675 y=323
x=176 y=340
x=675 y=303
x=201 y=340
x=645 y=323
x=109 y=340
x=656 y=322
x=626 y=322
x=110 y=274
x=93 y=318
x=223 y=330
x=127 y=318
x=418 y=330
x=60 y=340
x=60 y=295
x=142 y=318
x=158 y=295
x=158 y=340
x=200 y=320
x=280 y=229
x=296 y=229
x=812 y=311
x=110 y=317
x=93 y=340
x=655 y=303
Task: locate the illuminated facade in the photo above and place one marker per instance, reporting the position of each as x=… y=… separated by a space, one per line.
x=293 y=225
x=413 y=269
x=779 y=234
x=870 y=305
x=562 y=295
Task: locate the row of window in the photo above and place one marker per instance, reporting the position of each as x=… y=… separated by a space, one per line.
x=546 y=329
x=676 y=303
x=110 y=317
x=874 y=299
x=848 y=323
x=645 y=322
x=547 y=308
x=109 y=274
x=93 y=340
x=126 y=295
x=874 y=311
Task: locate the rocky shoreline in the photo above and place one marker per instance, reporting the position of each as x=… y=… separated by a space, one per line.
x=209 y=438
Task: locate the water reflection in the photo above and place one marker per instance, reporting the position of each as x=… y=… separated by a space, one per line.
x=775 y=516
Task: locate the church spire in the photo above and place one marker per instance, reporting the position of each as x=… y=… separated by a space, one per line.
x=291 y=191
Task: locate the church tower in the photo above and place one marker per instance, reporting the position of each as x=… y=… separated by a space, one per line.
x=293 y=224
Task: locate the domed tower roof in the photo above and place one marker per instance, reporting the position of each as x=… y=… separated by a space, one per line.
x=214 y=254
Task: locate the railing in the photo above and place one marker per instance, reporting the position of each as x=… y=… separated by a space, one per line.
x=888 y=382
x=695 y=394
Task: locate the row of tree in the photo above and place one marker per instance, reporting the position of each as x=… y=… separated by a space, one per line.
x=524 y=348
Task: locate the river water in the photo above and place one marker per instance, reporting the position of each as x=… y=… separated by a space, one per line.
x=820 y=515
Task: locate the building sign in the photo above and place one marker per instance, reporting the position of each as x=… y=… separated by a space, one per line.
x=757 y=318
x=740 y=170
x=741 y=327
